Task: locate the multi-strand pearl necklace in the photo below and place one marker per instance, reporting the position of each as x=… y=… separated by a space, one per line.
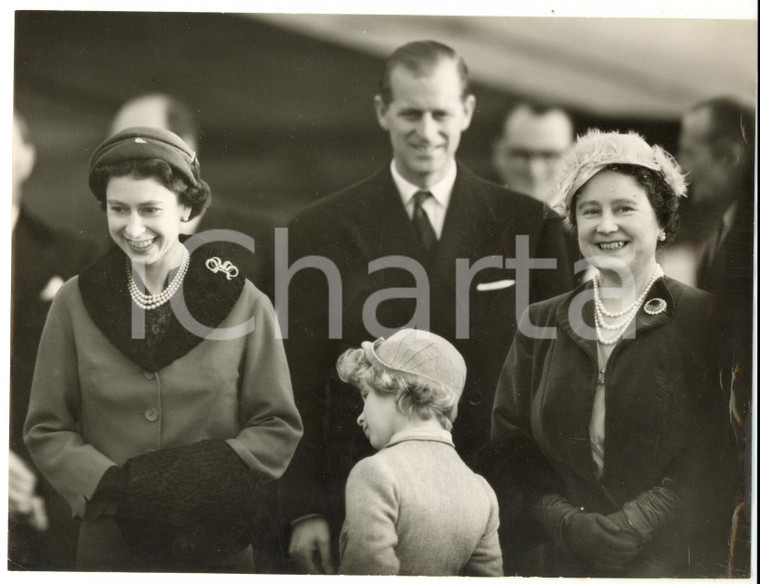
x=150 y=302
x=629 y=313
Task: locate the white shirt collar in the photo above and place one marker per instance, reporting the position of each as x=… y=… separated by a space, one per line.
x=441 y=191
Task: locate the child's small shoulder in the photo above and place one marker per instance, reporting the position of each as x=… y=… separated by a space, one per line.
x=372 y=468
x=487 y=488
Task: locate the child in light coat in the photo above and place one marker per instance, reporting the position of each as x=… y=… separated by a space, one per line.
x=414 y=508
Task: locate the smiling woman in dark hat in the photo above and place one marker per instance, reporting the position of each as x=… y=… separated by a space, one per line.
x=611 y=428
x=151 y=412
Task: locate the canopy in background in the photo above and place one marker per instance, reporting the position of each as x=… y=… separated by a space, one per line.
x=608 y=66
x=285 y=101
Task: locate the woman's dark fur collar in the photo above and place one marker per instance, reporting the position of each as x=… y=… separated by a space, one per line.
x=209 y=297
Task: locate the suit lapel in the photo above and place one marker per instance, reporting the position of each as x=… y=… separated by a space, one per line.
x=382 y=226
x=582 y=333
x=459 y=238
x=379 y=223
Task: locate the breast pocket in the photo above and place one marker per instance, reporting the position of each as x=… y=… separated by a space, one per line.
x=495 y=285
x=492 y=305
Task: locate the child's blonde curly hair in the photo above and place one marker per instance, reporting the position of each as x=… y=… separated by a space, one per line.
x=424 y=371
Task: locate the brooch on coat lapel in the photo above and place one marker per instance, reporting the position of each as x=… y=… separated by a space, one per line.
x=216 y=265
x=655 y=306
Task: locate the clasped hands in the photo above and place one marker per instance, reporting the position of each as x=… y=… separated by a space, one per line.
x=608 y=542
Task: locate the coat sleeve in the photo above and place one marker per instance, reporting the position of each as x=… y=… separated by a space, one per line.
x=271 y=423
x=51 y=431
x=369 y=539
x=486 y=557
x=511 y=409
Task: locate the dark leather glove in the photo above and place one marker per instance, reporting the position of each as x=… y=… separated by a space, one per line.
x=589 y=536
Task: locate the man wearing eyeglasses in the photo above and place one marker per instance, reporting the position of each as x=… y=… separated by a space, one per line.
x=528 y=152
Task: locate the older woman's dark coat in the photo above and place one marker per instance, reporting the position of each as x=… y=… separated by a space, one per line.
x=664 y=422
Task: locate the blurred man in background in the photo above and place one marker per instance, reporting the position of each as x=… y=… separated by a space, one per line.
x=42 y=535
x=160 y=110
x=528 y=152
x=717 y=149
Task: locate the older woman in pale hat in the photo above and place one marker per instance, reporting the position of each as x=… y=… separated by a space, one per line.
x=607 y=417
x=153 y=418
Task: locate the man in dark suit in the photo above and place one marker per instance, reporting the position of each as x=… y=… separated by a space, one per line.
x=422 y=243
x=717 y=148
x=41 y=531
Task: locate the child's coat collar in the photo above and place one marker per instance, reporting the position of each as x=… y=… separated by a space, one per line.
x=428 y=434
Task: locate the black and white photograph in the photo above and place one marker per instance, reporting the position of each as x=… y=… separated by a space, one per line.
x=378 y=291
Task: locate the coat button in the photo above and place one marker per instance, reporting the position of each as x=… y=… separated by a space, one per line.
x=151 y=414
x=148 y=375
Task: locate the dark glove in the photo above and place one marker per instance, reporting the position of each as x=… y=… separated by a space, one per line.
x=194 y=500
x=590 y=536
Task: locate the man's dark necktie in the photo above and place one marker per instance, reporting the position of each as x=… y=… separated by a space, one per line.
x=422 y=222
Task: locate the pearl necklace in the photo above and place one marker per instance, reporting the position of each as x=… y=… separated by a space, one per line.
x=150 y=302
x=630 y=312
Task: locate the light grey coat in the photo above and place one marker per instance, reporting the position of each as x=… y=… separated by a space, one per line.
x=415 y=508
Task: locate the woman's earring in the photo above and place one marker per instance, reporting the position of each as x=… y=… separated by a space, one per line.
x=661 y=236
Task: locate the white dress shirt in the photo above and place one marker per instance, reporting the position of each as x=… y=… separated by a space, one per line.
x=434 y=206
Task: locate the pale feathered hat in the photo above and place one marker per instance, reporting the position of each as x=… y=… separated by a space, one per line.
x=597 y=150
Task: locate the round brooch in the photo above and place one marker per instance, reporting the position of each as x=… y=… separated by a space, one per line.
x=655 y=306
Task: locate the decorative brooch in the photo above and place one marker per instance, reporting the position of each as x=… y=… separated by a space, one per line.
x=215 y=265
x=655 y=306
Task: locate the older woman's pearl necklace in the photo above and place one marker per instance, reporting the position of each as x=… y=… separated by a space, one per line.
x=150 y=302
x=629 y=313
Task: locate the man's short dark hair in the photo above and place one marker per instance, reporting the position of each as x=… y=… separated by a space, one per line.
x=729 y=120
x=733 y=124
x=181 y=119
x=537 y=108
x=420 y=57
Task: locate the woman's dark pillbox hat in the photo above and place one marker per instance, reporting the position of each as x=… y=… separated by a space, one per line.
x=135 y=143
